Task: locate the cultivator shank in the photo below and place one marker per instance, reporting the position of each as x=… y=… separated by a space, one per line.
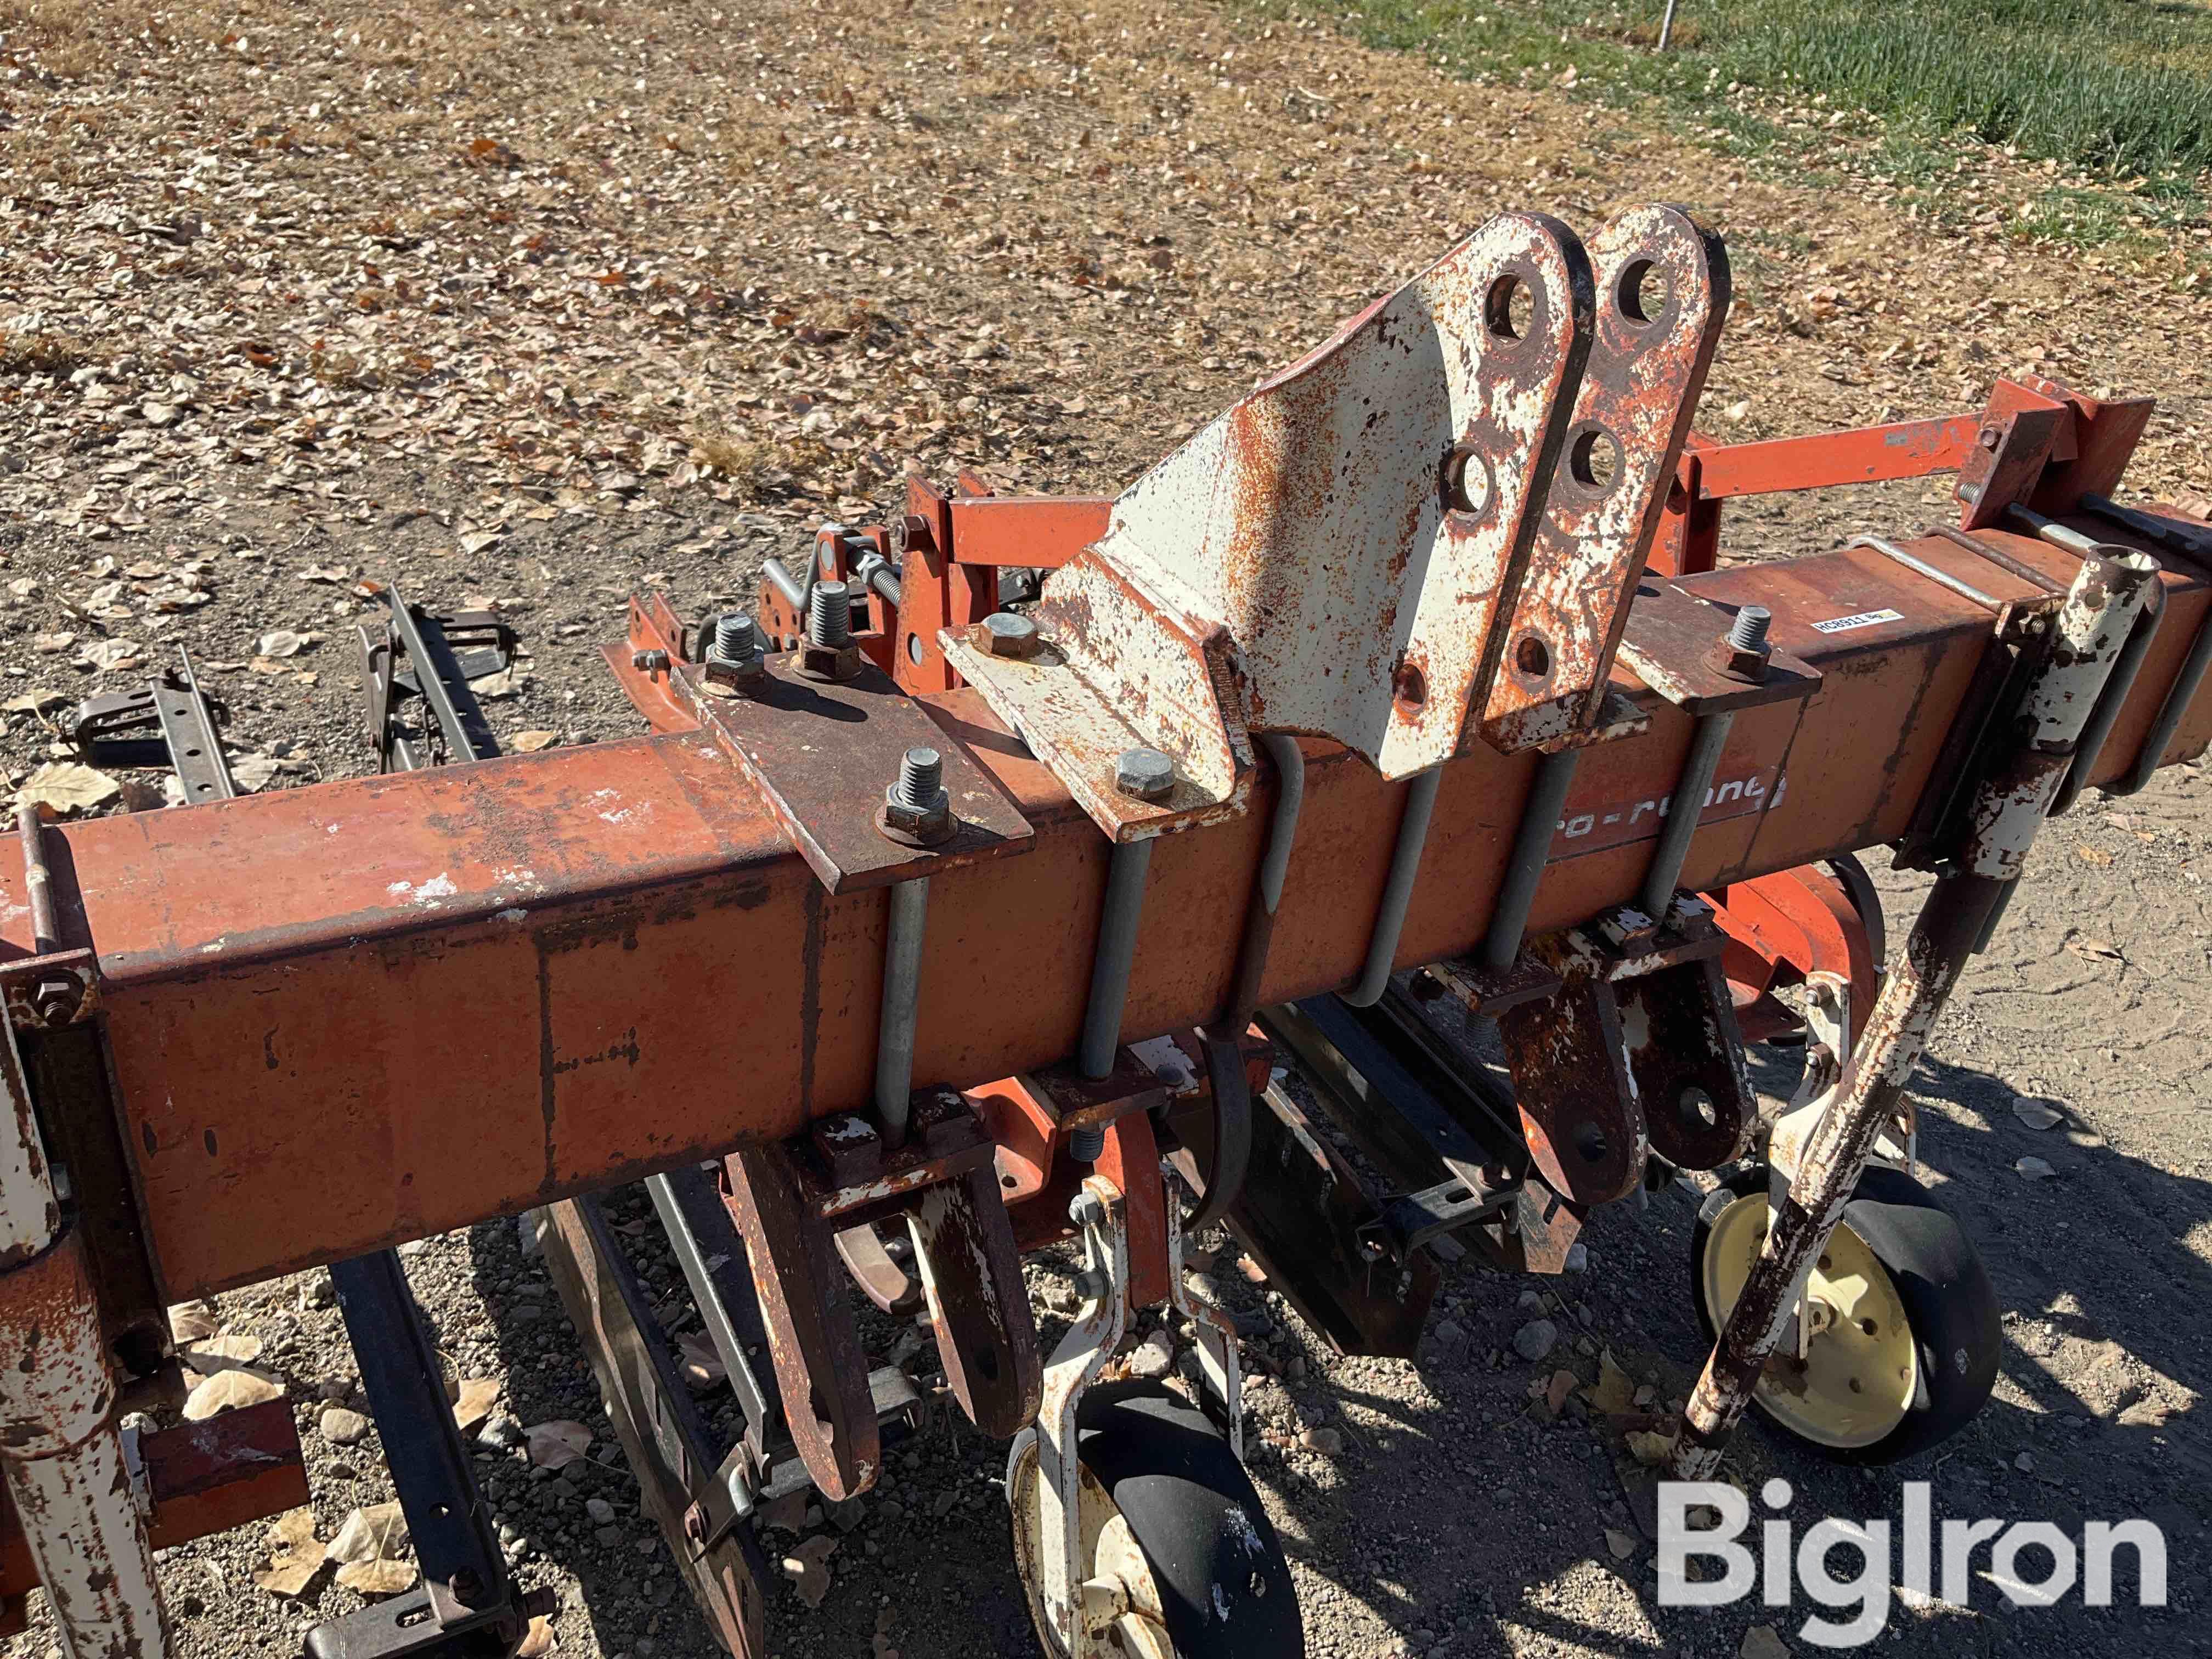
x=1400 y=729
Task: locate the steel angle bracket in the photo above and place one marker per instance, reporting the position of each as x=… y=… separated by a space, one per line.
x=1333 y=556
x=1663 y=297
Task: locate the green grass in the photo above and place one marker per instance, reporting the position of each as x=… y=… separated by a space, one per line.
x=2120 y=89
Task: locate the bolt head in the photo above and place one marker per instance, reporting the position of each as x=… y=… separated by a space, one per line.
x=1007 y=634
x=910 y=530
x=1987 y=437
x=1086 y=1209
x=649 y=662
x=1145 y=773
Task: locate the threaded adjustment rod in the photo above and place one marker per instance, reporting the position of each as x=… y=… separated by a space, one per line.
x=829 y=615
x=1087 y=1145
x=921 y=774
x=1749 y=632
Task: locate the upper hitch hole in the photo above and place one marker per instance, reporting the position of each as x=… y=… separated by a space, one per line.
x=1643 y=292
x=1589 y=1142
x=1467 y=482
x=1699 y=1111
x=1411 y=685
x=1533 y=657
x=1595 y=459
x=1509 y=307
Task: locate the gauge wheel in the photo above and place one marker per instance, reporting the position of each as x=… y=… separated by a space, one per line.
x=1905 y=1330
x=1169 y=1513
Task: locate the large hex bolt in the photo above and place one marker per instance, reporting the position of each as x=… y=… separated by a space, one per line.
x=736 y=660
x=829 y=652
x=1145 y=773
x=916 y=808
x=1006 y=634
x=1743 y=653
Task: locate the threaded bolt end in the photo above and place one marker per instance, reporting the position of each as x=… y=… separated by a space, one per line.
x=921 y=774
x=829 y=615
x=734 y=636
x=1749 y=632
x=1088 y=1143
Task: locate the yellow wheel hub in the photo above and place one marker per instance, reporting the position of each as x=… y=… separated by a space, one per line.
x=1861 y=1368
x=1117 y=1601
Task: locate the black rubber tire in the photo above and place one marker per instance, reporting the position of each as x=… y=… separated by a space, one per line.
x=1224 y=1587
x=1948 y=1300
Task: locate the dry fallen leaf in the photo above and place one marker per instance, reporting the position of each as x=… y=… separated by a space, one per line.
x=32 y=702
x=2036 y=1114
x=67 y=786
x=698 y=1360
x=2093 y=950
x=477 y=1394
x=2035 y=1169
x=377 y=1577
x=1614 y=1391
x=290 y=1573
x=1649 y=1447
x=211 y=1354
x=377 y=1532
x=228 y=1390
x=2096 y=856
x=281 y=642
x=192 y=1321
x=529 y=742
x=537 y=1641
x=808 y=1567
x=556 y=1444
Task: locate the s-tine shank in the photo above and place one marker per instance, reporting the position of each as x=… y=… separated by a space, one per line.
x=2090 y=629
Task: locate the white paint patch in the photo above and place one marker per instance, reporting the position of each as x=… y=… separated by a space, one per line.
x=332 y=829
x=440 y=886
x=512 y=918
x=1220 y=1603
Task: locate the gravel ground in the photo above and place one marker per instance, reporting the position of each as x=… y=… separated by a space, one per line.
x=544 y=306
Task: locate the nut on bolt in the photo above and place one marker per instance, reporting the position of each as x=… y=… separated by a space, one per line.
x=737 y=660
x=1743 y=651
x=828 y=652
x=1007 y=634
x=916 y=808
x=55 y=999
x=1145 y=773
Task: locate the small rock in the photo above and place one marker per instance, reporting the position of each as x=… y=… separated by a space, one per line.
x=1296 y=1370
x=2025 y=1462
x=1450 y=1331
x=1618 y=1544
x=1154 y=1357
x=500 y=1433
x=1536 y=1338
x=601 y=1512
x=1326 y=1441
x=1529 y=1299
x=1761 y=1642
x=2036 y=1114
x=342 y=1427
x=1578 y=1258
x=2035 y=1169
